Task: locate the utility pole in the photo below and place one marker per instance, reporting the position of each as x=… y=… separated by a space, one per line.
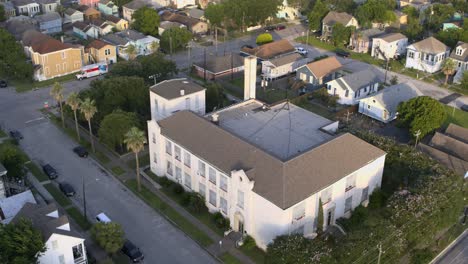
x=380 y=253
x=189 y=58
x=84 y=194
x=154 y=76
x=417 y=134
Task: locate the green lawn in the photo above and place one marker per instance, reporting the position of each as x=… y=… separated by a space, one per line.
x=2 y=134
x=101 y=157
x=316 y=43
x=160 y=206
x=117 y=170
x=57 y=194
x=143 y=160
x=229 y=259
x=24 y=85
x=74 y=213
x=457 y=117
x=37 y=172
x=255 y=254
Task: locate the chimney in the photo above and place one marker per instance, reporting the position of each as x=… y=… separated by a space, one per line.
x=250 y=77
x=182 y=92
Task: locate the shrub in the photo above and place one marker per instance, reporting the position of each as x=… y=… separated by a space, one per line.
x=421 y=256
x=264 y=39
x=196 y=203
x=165 y=182
x=220 y=221
x=249 y=242
x=359 y=215
x=177 y=188
x=185 y=200
x=377 y=199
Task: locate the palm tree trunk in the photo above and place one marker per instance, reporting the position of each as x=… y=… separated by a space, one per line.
x=61 y=113
x=138 y=171
x=91 y=136
x=76 y=126
x=446 y=78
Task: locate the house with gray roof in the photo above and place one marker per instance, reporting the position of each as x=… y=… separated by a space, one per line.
x=49 y=23
x=18 y=25
x=389 y=46
x=427 y=55
x=352 y=87
x=108 y=7
x=128 y=37
x=129 y=8
x=460 y=56
x=9 y=8
x=48 y=6
x=72 y=15
x=361 y=41
x=63 y=245
x=333 y=18
x=26 y=7
x=10 y=206
x=383 y=105
x=282 y=65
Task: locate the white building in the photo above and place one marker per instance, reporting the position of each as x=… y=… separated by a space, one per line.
x=71 y=16
x=26 y=7
x=288 y=12
x=3 y=173
x=282 y=65
x=264 y=167
x=460 y=56
x=383 y=104
x=10 y=206
x=63 y=246
x=389 y=46
x=352 y=87
x=123 y=39
x=427 y=55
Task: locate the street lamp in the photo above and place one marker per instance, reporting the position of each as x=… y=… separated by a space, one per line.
x=154 y=76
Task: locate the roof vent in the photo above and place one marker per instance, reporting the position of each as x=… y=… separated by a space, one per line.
x=215 y=118
x=182 y=92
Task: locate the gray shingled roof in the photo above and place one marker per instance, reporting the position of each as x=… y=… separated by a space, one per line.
x=392 y=96
x=337 y=17
x=464 y=55
x=457 y=132
x=284 y=183
x=391 y=37
x=285 y=59
x=171 y=89
x=70 y=11
x=362 y=78
x=430 y=45
x=450 y=145
x=136 y=4
x=51 y=16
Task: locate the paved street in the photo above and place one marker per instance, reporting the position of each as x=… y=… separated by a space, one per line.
x=159 y=240
x=457 y=253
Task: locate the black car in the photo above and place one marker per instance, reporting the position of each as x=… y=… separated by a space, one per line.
x=67 y=189
x=342 y=53
x=269 y=28
x=81 y=151
x=132 y=252
x=464 y=108
x=3 y=84
x=16 y=134
x=50 y=171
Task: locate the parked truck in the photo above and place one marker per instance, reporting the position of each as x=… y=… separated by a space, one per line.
x=92 y=70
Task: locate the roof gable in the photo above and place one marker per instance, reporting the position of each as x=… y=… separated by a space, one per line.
x=323 y=67
x=337 y=17
x=271 y=50
x=429 y=45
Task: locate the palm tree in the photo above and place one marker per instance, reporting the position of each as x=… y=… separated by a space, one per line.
x=57 y=93
x=135 y=140
x=448 y=68
x=74 y=102
x=88 y=108
x=131 y=50
x=154 y=46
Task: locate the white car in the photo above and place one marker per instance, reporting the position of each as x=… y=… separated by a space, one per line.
x=302 y=51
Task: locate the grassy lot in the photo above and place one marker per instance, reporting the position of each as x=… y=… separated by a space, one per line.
x=37 y=172
x=160 y=206
x=25 y=85
x=144 y=161
x=74 y=213
x=316 y=43
x=317 y=109
x=117 y=170
x=457 y=117
x=101 y=157
x=57 y=194
x=2 y=134
x=255 y=254
x=229 y=259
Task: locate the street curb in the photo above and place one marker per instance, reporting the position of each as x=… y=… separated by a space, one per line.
x=460 y=237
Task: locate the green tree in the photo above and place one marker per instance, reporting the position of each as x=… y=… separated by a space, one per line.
x=135 y=140
x=126 y=68
x=20 y=242
x=13 y=160
x=114 y=126
x=452 y=36
x=348 y=6
x=146 y=20
x=109 y=236
x=13 y=59
x=74 y=102
x=289 y=249
x=437 y=14
x=88 y=108
x=245 y=13
x=319 y=11
x=376 y=11
x=154 y=46
x=320 y=218
x=2 y=13
x=157 y=64
x=448 y=68
x=264 y=38
x=214 y=96
x=214 y=13
x=394 y=80
x=174 y=39
x=464 y=81
x=340 y=34
x=422 y=114
x=131 y=51
x=57 y=93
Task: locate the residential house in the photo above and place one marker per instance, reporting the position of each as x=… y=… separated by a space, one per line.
x=450 y=25
x=26 y=7
x=361 y=41
x=62 y=244
x=401 y=20
x=196 y=13
x=48 y=6
x=89 y=13
x=178 y=4
x=333 y=18
x=71 y=16
x=389 y=46
x=117 y=22
x=89 y=3
x=460 y=56
x=102 y=27
x=427 y=55
x=288 y=12
x=83 y=30
x=165 y=25
x=107 y=7
x=282 y=65
x=9 y=8
x=270 y=50
x=194 y=25
x=253 y=165
x=420 y=5
x=130 y=8
x=353 y=87
x=218 y=66
x=123 y=39
x=316 y=73
x=100 y=51
x=382 y=105
x=10 y=206
x=3 y=173
x=49 y=23
x=20 y=24
x=50 y=57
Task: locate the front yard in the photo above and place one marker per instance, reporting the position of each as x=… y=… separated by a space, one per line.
x=26 y=85
x=455 y=116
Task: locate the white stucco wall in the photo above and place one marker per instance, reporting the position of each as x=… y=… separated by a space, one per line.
x=64 y=245
x=334 y=88
x=390 y=49
x=375 y=110
x=420 y=62
x=166 y=107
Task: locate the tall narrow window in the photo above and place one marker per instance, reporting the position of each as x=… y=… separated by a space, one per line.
x=223 y=183
x=188 y=180
x=223 y=205
x=187 y=160
x=212 y=175
x=177 y=153
x=169 y=168
x=348 y=204
x=178 y=174
x=202 y=189
x=168 y=147
x=212 y=198
x=201 y=168
x=240 y=199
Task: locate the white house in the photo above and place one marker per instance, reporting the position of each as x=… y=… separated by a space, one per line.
x=282 y=65
x=383 y=104
x=264 y=167
x=10 y=206
x=288 y=12
x=71 y=16
x=26 y=7
x=63 y=246
x=352 y=87
x=319 y=72
x=389 y=46
x=128 y=37
x=333 y=18
x=460 y=56
x=427 y=55
x=3 y=173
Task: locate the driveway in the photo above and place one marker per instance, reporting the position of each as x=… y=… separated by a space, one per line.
x=159 y=240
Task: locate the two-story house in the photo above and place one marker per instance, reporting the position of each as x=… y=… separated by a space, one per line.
x=107 y=7
x=333 y=18
x=194 y=25
x=355 y=86
x=263 y=172
x=48 y=6
x=100 y=51
x=426 y=55
x=117 y=22
x=50 y=57
x=89 y=13
x=361 y=41
x=129 y=8
x=26 y=7
x=90 y=3
x=282 y=65
x=460 y=56
x=389 y=46
x=316 y=73
x=71 y=16
x=123 y=39
x=63 y=245
x=9 y=9
x=49 y=23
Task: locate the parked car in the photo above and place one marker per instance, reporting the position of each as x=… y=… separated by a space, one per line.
x=81 y=151
x=132 y=252
x=50 y=171
x=67 y=189
x=3 y=84
x=15 y=134
x=302 y=51
x=269 y=28
x=464 y=108
x=342 y=53
x=102 y=218
x=280 y=27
